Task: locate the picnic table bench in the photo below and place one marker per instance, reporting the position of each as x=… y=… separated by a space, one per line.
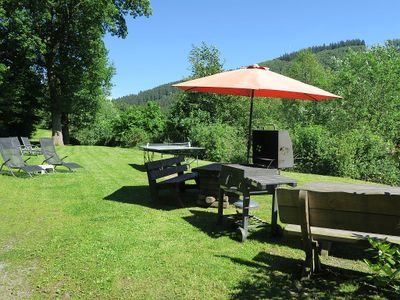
x=327 y=212
x=169 y=173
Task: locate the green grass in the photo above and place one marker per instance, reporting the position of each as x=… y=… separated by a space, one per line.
x=40 y=133
x=95 y=234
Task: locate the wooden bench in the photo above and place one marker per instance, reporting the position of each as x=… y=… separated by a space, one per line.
x=160 y=175
x=326 y=212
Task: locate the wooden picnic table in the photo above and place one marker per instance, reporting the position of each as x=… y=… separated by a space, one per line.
x=249 y=180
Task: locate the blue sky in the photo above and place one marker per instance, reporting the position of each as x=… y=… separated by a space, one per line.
x=246 y=32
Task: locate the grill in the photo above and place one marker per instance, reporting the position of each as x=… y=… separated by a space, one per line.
x=272 y=149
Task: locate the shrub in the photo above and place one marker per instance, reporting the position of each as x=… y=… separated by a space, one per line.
x=101 y=131
x=365 y=155
x=313 y=146
x=133 y=136
x=385 y=265
x=222 y=142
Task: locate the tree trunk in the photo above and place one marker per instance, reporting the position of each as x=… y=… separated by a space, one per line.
x=56 y=124
x=65 y=128
x=56 y=127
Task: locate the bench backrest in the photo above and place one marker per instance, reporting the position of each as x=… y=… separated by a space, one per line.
x=372 y=213
x=165 y=167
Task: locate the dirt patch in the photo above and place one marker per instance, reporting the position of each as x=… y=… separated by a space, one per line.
x=13 y=283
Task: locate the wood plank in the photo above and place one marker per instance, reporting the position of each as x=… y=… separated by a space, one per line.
x=179 y=179
x=337 y=235
x=288 y=214
x=156 y=174
x=358 y=221
x=159 y=164
x=287 y=197
x=339 y=201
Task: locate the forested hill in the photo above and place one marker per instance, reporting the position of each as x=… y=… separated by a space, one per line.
x=326 y=54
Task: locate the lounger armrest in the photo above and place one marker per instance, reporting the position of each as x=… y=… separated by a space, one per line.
x=64 y=157
x=4 y=163
x=47 y=159
x=27 y=159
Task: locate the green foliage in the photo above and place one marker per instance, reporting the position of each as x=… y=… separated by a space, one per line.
x=125 y=127
x=101 y=130
x=365 y=155
x=163 y=95
x=359 y=154
x=21 y=89
x=306 y=68
x=369 y=82
x=63 y=46
x=205 y=60
x=385 y=265
x=223 y=143
x=313 y=149
x=331 y=46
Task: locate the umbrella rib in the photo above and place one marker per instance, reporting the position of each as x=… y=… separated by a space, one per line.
x=313 y=98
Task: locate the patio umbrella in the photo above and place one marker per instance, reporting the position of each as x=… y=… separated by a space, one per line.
x=255 y=81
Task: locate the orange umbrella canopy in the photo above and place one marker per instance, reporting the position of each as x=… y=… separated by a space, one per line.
x=255 y=81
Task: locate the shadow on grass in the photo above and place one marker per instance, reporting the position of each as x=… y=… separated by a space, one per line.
x=140 y=168
x=277 y=277
x=207 y=222
x=140 y=195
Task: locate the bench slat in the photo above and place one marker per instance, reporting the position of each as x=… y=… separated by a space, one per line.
x=339 y=201
x=358 y=221
x=337 y=235
x=180 y=178
x=159 y=164
x=156 y=174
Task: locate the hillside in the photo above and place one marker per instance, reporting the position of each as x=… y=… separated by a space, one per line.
x=326 y=54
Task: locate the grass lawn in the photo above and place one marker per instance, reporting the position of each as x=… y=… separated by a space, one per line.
x=95 y=234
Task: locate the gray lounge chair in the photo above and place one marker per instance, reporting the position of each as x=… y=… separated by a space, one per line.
x=28 y=148
x=16 y=143
x=12 y=158
x=51 y=156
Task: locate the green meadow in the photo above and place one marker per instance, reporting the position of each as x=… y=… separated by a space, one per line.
x=95 y=234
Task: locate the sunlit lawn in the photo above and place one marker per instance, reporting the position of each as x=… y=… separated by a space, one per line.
x=95 y=234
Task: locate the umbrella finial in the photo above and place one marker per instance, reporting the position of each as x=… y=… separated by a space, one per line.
x=256 y=66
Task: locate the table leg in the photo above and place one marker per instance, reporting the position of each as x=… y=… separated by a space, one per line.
x=243 y=231
x=220 y=206
x=246 y=205
x=274 y=216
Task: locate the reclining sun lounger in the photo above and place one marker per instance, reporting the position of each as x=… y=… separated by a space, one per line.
x=12 y=158
x=51 y=156
x=28 y=148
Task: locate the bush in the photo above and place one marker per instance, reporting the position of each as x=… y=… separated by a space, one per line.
x=101 y=131
x=313 y=147
x=385 y=264
x=133 y=136
x=362 y=154
x=223 y=143
x=358 y=154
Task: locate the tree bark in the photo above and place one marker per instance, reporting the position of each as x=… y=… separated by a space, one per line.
x=56 y=127
x=65 y=128
x=56 y=124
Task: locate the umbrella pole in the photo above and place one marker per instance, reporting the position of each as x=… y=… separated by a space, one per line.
x=250 y=121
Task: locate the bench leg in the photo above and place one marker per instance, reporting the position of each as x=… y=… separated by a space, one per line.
x=312 y=263
x=154 y=194
x=325 y=248
x=178 y=196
